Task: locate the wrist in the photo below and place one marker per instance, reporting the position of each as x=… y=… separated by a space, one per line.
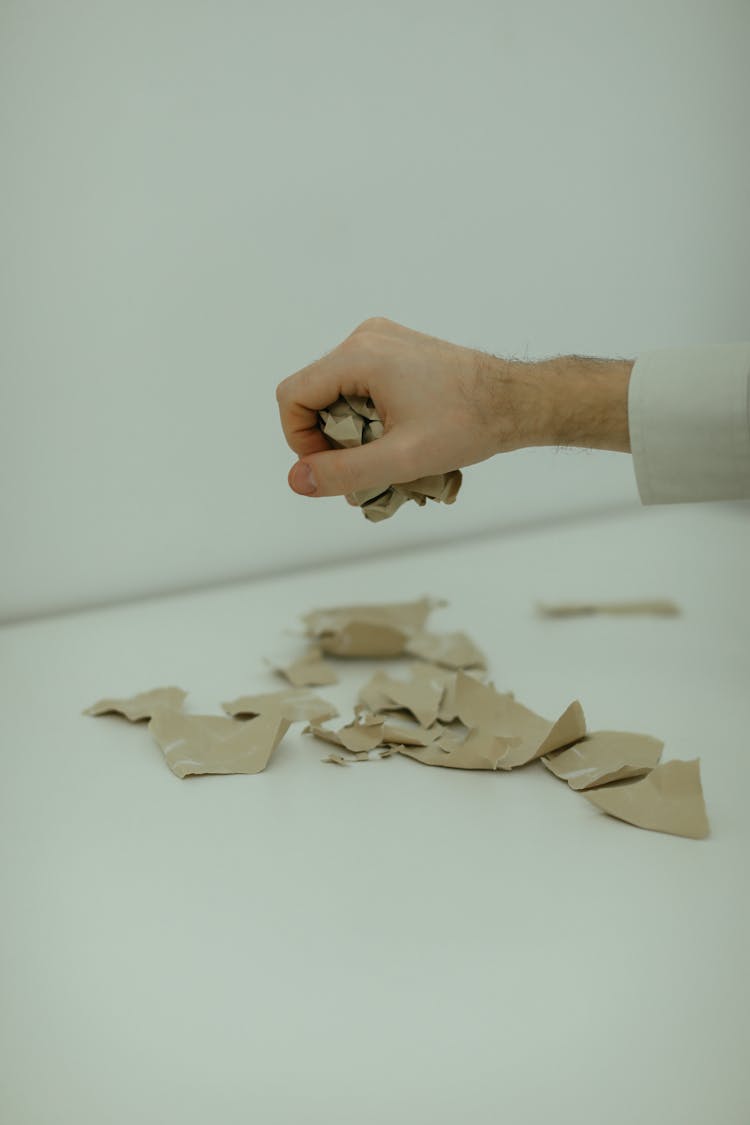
x=580 y=402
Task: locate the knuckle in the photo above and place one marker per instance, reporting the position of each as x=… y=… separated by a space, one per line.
x=373 y=324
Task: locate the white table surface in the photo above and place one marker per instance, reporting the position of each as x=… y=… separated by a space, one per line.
x=386 y=942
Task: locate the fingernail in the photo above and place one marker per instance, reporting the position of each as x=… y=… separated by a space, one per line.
x=302 y=479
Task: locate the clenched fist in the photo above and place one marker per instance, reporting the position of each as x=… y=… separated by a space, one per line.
x=443 y=406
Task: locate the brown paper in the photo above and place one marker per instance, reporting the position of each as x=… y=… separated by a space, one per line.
x=310 y=670
x=367 y=630
x=360 y=736
x=452 y=650
x=447 y=711
x=200 y=744
x=479 y=750
x=605 y=756
x=296 y=704
x=669 y=799
x=659 y=608
x=353 y=420
x=397 y=734
x=481 y=706
x=421 y=696
x=143 y=706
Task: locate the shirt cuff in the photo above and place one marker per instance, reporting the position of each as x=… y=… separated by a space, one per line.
x=689 y=420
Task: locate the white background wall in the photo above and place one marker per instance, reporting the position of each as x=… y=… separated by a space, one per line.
x=201 y=197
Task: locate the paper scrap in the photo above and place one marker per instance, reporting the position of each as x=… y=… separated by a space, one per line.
x=605 y=756
x=142 y=706
x=480 y=706
x=669 y=799
x=310 y=670
x=367 y=630
x=294 y=704
x=347 y=759
x=421 y=695
x=201 y=744
x=397 y=734
x=353 y=420
x=659 y=608
x=359 y=736
x=447 y=710
x=479 y=750
x=452 y=650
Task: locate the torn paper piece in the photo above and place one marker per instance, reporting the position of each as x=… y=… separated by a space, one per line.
x=481 y=706
x=398 y=734
x=382 y=506
x=367 y=630
x=342 y=430
x=421 y=696
x=353 y=420
x=447 y=710
x=347 y=759
x=360 y=736
x=143 y=706
x=659 y=608
x=452 y=650
x=199 y=744
x=668 y=799
x=604 y=756
x=296 y=704
x=310 y=670
x=479 y=750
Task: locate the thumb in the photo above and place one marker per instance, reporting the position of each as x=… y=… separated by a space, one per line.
x=337 y=472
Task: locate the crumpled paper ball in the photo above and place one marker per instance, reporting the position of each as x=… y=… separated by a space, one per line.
x=353 y=420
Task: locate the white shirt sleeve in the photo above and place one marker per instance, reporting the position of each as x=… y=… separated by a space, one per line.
x=689 y=419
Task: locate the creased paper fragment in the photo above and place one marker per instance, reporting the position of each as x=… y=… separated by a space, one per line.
x=451 y=650
x=367 y=630
x=295 y=704
x=421 y=696
x=353 y=420
x=142 y=706
x=605 y=756
x=480 y=706
x=479 y=750
x=199 y=744
x=310 y=670
x=359 y=736
x=669 y=799
x=398 y=734
x=659 y=608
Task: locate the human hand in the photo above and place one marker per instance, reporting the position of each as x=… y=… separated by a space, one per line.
x=442 y=406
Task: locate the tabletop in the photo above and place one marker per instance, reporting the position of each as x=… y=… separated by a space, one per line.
x=386 y=941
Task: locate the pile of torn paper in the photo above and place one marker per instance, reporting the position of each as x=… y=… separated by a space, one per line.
x=353 y=420
x=443 y=714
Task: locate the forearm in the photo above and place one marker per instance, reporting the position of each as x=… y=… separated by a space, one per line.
x=567 y=401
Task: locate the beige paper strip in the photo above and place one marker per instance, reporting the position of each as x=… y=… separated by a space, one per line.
x=669 y=799
x=200 y=744
x=605 y=756
x=295 y=704
x=142 y=706
x=659 y=608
